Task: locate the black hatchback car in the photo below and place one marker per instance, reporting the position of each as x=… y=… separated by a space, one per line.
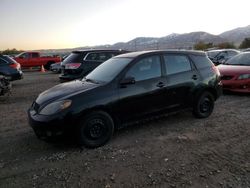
x=124 y=89
x=79 y=63
x=10 y=68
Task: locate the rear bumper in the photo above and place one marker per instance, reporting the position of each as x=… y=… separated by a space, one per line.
x=16 y=76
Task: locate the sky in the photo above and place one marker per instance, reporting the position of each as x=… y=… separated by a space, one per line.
x=55 y=24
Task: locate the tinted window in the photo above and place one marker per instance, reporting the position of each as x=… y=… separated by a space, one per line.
x=176 y=64
x=241 y=59
x=24 y=55
x=146 y=68
x=222 y=55
x=2 y=61
x=74 y=57
x=35 y=55
x=201 y=61
x=110 y=55
x=93 y=57
x=212 y=54
x=9 y=59
x=108 y=70
x=99 y=56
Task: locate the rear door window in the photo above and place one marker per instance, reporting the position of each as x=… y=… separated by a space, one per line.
x=201 y=61
x=95 y=57
x=175 y=63
x=35 y=55
x=99 y=56
x=146 y=68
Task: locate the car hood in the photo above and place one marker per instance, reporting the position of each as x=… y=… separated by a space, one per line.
x=63 y=90
x=233 y=69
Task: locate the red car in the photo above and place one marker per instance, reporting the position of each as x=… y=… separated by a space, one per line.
x=235 y=73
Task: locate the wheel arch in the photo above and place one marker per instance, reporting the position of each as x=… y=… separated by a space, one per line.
x=103 y=109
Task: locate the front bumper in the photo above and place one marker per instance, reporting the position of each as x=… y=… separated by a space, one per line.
x=48 y=126
x=242 y=86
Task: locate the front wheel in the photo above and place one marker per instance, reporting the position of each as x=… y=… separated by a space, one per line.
x=95 y=129
x=204 y=105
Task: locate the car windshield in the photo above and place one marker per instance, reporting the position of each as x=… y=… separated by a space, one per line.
x=241 y=59
x=212 y=54
x=108 y=70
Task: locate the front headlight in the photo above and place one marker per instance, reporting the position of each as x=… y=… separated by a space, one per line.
x=55 y=107
x=244 y=76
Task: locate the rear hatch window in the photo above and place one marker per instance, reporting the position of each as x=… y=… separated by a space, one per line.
x=8 y=59
x=74 y=57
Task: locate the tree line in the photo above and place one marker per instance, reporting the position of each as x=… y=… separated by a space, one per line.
x=13 y=51
x=204 y=46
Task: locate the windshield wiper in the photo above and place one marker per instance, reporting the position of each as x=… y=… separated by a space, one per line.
x=92 y=81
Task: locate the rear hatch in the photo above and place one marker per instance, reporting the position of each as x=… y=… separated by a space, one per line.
x=72 y=64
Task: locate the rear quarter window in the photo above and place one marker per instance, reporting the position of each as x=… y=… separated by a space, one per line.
x=176 y=63
x=201 y=61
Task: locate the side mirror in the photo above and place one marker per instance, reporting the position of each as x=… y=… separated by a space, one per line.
x=128 y=81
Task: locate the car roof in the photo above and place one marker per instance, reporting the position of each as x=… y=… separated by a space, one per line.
x=140 y=53
x=97 y=50
x=221 y=50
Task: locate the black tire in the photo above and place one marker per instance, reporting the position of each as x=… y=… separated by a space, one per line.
x=47 y=66
x=95 y=130
x=204 y=105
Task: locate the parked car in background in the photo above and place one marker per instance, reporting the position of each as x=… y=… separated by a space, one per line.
x=235 y=73
x=79 y=63
x=33 y=59
x=222 y=55
x=126 y=88
x=56 y=67
x=246 y=50
x=10 y=68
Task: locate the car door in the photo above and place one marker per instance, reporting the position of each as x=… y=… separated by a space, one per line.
x=34 y=59
x=23 y=59
x=181 y=79
x=144 y=95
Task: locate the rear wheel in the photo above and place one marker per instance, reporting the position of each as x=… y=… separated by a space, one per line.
x=47 y=66
x=204 y=105
x=95 y=129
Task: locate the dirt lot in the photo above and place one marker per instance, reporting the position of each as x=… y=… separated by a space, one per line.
x=174 y=151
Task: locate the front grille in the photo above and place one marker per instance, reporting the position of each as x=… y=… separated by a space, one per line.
x=226 y=77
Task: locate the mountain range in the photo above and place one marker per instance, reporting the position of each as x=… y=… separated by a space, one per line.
x=173 y=41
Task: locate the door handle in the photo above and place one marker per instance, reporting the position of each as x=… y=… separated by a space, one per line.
x=160 y=84
x=194 y=77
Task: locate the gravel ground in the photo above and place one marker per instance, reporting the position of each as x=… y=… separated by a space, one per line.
x=173 y=151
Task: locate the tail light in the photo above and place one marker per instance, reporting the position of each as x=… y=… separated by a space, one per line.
x=15 y=66
x=215 y=70
x=72 y=65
